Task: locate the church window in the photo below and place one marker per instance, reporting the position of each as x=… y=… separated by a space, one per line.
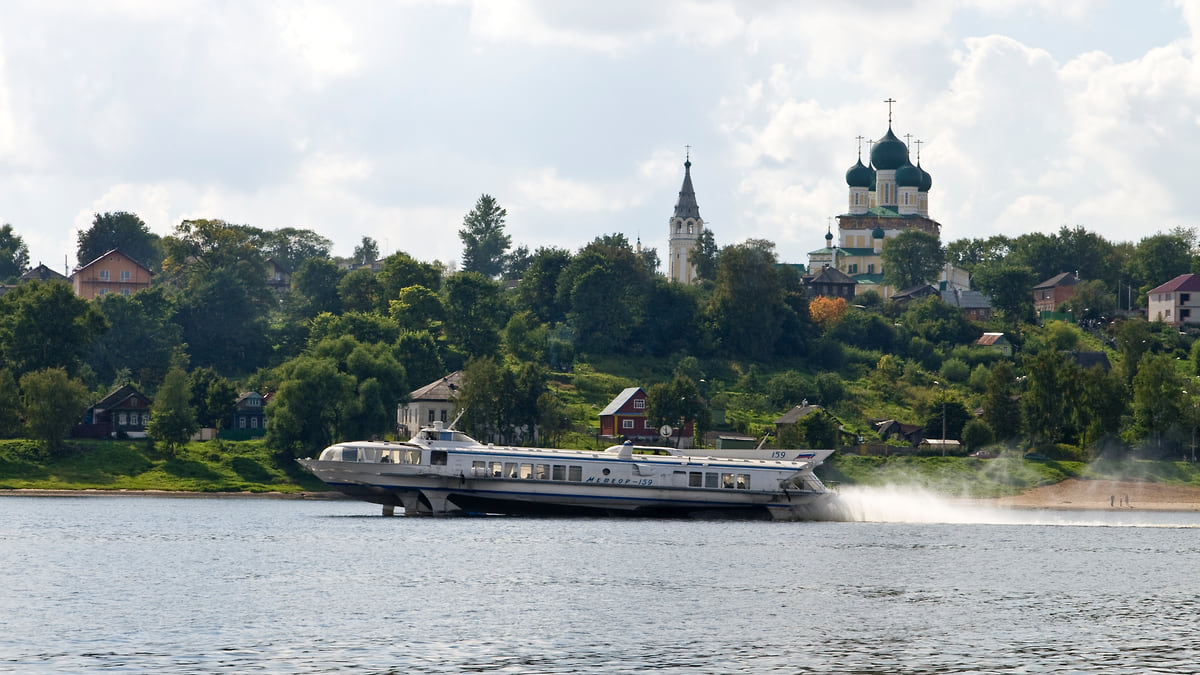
x=870 y=268
x=854 y=268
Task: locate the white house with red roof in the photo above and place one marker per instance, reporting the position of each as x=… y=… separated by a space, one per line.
x=1176 y=302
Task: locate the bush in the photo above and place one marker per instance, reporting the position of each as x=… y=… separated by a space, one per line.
x=955 y=370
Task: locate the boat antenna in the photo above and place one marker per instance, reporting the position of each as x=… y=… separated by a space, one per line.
x=457 y=418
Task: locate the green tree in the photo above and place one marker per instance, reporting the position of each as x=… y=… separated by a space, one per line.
x=309 y=406
x=142 y=319
x=475 y=312
x=418 y=308
x=223 y=316
x=122 y=230
x=172 y=417
x=1044 y=403
x=747 y=311
x=604 y=289
x=315 y=288
x=360 y=291
x=52 y=402
x=818 y=430
x=213 y=397
x=10 y=405
x=967 y=254
x=1158 y=399
x=45 y=325
x=485 y=396
x=400 y=270
x=14 y=254
x=1010 y=288
x=945 y=416
x=910 y=258
x=290 y=247
x=706 y=256
x=976 y=434
x=1091 y=300
x=1001 y=410
x=483 y=238
x=677 y=403
x=538 y=289
x=366 y=252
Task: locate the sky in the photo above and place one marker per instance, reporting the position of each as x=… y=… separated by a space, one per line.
x=389 y=119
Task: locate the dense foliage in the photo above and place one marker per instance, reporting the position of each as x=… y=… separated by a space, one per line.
x=547 y=338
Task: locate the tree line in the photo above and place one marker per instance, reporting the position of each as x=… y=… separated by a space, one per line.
x=346 y=341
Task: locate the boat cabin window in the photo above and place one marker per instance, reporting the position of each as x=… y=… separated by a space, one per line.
x=560 y=472
x=543 y=472
x=510 y=469
x=575 y=473
x=743 y=481
x=712 y=480
x=497 y=469
x=527 y=471
x=349 y=454
x=437 y=457
x=726 y=480
x=695 y=479
x=411 y=457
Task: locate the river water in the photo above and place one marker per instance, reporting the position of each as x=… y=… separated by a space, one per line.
x=168 y=585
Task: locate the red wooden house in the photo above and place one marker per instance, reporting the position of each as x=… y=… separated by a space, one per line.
x=625 y=416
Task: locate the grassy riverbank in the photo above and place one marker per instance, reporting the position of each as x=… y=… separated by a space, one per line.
x=215 y=466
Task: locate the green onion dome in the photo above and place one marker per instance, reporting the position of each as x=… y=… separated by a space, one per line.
x=877 y=233
x=860 y=175
x=889 y=152
x=908 y=175
x=926 y=179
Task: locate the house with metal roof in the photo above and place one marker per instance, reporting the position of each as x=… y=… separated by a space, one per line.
x=431 y=403
x=1051 y=293
x=1176 y=302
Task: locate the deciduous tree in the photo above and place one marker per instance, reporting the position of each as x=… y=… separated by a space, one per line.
x=172 y=417
x=122 y=230
x=45 y=325
x=910 y=258
x=52 y=403
x=14 y=254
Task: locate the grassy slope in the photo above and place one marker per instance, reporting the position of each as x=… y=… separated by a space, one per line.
x=244 y=466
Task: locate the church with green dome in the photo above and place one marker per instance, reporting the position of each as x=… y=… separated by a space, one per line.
x=886 y=197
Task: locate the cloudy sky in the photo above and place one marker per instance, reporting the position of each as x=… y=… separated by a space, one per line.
x=389 y=119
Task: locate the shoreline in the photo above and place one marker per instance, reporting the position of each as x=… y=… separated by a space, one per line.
x=1072 y=494
x=182 y=494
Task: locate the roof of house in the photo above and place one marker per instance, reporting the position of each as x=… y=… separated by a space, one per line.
x=918 y=291
x=831 y=275
x=798 y=413
x=1087 y=360
x=444 y=389
x=118 y=396
x=41 y=273
x=1063 y=279
x=988 y=339
x=1183 y=282
x=966 y=299
x=108 y=253
x=619 y=402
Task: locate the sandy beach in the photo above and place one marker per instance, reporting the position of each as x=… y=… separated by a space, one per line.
x=1075 y=493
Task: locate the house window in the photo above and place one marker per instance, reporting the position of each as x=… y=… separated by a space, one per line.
x=121 y=419
x=431 y=413
x=125 y=275
x=253 y=422
x=241 y=422
x=103 y=291
x=1184 y=298
x=646 y=424
x=125 y=292
x=443 y=415
x=639 y=404
x=854 y=268
x=626 y=424
x=103 y=275
x=870 y=268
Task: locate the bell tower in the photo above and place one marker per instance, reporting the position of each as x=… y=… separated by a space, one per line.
x=685 y=227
